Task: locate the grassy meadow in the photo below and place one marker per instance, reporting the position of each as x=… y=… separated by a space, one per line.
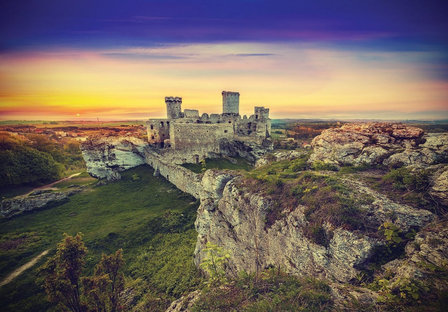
x=145 y=215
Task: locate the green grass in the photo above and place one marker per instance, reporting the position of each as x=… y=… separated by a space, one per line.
x=326 y=198
x=129 y=214
x=221 y=163
x=81 y=180
x=273 y=290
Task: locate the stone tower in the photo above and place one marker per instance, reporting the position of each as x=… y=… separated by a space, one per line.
x=230 y=102
x=261 y=112
x=173 y=107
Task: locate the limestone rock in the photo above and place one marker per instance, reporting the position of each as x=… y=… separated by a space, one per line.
x=105 y=157
x=379 y=143
x=278 y=156
x=425 y=257
x=246 y=149
x=184 y=303
x=235 y=220
x=19 y=204
x=439 y=189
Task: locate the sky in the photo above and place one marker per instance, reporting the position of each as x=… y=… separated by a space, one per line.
x=73 y=60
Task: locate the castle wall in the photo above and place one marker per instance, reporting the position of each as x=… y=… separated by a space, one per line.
x=199 y=137
x=191 y=113
x=183 y=178
x=158 y=131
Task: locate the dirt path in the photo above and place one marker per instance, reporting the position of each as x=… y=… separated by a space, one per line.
x=24 y=267
x=53 y=183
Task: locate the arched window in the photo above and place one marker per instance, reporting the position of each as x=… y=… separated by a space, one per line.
x=152 y=127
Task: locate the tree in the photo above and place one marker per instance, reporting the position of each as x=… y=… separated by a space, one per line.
x=214 y=263
x=102 y=290
x=62 y=274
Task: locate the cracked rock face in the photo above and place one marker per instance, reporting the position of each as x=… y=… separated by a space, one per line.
x=439 y=188
x=233 y=217
x=379 y=143
x=105 y=157
x=425 y=257
x=19 y=204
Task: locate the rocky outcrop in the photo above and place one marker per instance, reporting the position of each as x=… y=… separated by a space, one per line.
x=105 y=157
x=249 y=150
x=38 y=199
x=233 y=217
x=439 y=188
x=278 y=156
x=379 y=143
x=425 y=260
x=184 y=303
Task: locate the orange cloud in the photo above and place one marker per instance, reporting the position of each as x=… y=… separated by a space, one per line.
x=293 y=80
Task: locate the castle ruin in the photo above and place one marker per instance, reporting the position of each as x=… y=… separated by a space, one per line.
x=185 y=136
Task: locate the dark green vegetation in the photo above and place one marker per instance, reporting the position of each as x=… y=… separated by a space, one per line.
x=70 y=290
x=325 y=197
x=147 y=217
x=409 y=186
x=36 y=159
x=273 y=290
x=236 y=163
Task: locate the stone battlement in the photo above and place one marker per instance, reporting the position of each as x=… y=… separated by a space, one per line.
x=191 y=133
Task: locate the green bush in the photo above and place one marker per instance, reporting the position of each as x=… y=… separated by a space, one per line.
x=406 y=179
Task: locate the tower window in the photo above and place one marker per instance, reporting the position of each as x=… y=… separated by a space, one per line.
x=152 y=137
x=152 y=127
x=161 y=123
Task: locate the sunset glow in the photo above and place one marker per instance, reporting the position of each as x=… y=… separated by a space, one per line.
x=309 y=73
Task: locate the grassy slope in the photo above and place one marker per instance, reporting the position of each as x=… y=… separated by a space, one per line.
x=129 y=214
x=220 y=163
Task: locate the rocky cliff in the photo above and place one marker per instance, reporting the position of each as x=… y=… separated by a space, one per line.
x=234 y=217
x=379 y=144
x=106 y=156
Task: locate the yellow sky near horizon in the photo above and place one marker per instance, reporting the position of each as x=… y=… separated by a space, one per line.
x=294 y=81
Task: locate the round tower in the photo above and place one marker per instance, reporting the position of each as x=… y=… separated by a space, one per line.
x=173 y=107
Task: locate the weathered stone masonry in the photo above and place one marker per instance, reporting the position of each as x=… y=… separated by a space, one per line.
x=195 y=137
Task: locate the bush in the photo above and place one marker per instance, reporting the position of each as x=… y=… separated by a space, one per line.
x=405 y=179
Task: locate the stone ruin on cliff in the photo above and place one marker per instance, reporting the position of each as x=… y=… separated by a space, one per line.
x=191 y=137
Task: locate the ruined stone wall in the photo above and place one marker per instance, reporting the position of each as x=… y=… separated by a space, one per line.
x=191 y=113
x=203 y=137
x=158 y=131
x=183 y=178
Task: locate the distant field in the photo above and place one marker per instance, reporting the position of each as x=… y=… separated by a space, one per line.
x=50 y=124
x=131 y=214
